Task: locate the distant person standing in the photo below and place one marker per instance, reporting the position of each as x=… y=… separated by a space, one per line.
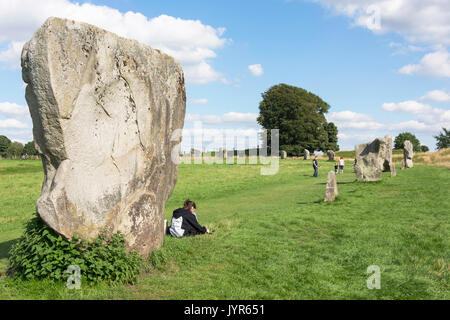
x=341 y=165
x=336 y=167
x=316 y=167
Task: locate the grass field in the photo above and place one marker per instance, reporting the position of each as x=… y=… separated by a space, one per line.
x=274 y=236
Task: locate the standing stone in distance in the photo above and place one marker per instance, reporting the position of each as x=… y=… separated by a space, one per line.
x=393 y=170
x=370 y=159
x=283 y=154
x=104 y=109
x=408 y=154
x=332 y=190
x=306 y=154
x=331 y=155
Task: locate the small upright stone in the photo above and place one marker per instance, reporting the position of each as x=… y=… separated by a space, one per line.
x=393 y=170
x=408 y=154
x=332 y=190
x=331 y=155
x=283 y=154
x=306 y=154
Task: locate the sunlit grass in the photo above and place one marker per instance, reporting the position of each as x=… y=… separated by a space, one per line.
x=274 y=236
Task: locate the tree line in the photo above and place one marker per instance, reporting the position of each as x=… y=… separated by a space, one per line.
x=300 y=117
x=15 y=150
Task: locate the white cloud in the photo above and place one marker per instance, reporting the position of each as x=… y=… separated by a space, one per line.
x=428 y=118
x=417 y=20
x=15 y=110
x=12 y=124
x=227 y=118
x=198 y=101
x=189 y=41
x=349 y=116
x=352 y=120
x=437 y=96
x=435 y=64
x=256 y=69
x=11 y=56
x=214 y=138
x=409 y=106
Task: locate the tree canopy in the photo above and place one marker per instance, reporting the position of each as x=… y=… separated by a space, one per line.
x=443 y=139
x=29 y=149
x=14 y=150
x=300 y=117
x=402 y=137
x=4 y=144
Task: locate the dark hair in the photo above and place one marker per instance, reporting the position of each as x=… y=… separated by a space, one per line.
x=188 y=204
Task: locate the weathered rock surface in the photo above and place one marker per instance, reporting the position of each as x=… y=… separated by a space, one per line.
x=332 y=190
x=283 y=154
x=372 y=158
x=331 y=155
x=306 y=154
x=104 y=109
x=408 y=154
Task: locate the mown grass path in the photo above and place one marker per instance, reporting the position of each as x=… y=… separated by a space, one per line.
x=274 y=236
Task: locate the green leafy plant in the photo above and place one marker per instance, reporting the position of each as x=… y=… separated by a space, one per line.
x=42 y=253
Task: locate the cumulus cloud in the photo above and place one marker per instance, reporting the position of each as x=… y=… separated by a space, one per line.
x=353 y=120
x=198 y=101
x=227 y=118
x=409 y=106
x=12 y=124
x=436 y=96
x=428 y=118
x=256 y=69
x=435 y=64
x=416 y=20
x=14 y=110
x=189 y=41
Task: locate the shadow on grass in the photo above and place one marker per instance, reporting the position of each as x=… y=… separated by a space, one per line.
x=312 y=202
x=5 y=247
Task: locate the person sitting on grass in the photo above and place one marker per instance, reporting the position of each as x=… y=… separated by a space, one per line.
x=185 y=223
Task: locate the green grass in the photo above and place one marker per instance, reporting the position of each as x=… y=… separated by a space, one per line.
x=274 y=236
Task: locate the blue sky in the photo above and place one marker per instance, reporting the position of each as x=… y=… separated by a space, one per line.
x=383 y=66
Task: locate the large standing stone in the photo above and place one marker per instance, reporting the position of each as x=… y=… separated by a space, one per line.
x=408 y=154
x=283 y=154
x=386 y=154
x=372 y=158
x=104 y=109
x=331 y=155
x=306 y=154
x=332 y=190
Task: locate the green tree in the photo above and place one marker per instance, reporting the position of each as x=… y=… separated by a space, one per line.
x=29 y=149
x=14 y=150
x=4 y=144
x=424 y=148
x=402 y=137
x=332 y=132
x=300 y=117
x=443 y=139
